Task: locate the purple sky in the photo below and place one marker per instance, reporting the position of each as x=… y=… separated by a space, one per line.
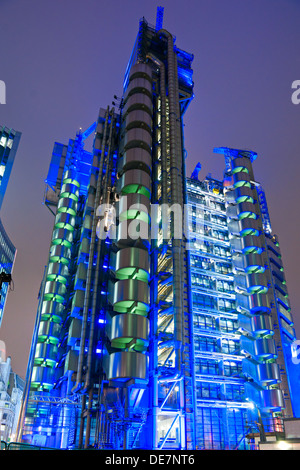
x=63 y=59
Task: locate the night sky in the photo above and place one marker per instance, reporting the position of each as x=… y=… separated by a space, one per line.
x=62 y=60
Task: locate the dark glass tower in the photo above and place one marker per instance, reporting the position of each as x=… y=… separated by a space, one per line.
x=141 y=340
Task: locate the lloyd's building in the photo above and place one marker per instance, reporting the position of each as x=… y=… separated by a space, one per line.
x=164 y=320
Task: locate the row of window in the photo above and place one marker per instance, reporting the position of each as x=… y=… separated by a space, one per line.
x=211 y=248
x=227 y=346
x=210 y=264
x=207 y=282
x=205 y=201
x=207 y=302
x=197 y=227
x=220 y=392
x=210 y=367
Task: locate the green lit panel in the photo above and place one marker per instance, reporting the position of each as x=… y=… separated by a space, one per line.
x=136 y=189
x=34 y=386
x=249 y=231
x=241 y=199
x=57 y=278
x=247 y=214
x=54 y=297
x=132 y=273
x=255 y=269
x=52 y=318
x=48 y=339
x=44 y=362
x=257 y=289
x=239 y=169
x=65 y=226
x=67 y=210
x=135 y=214
x=123 y=343
x=251 y=249
x=69 y=195
x=62 y=241
x=129 y=306
x=239 y=184
x=59 y=259
x=71 y=181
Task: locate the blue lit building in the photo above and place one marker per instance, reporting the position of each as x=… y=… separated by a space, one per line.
x=7 y=259
x=243 y=328
x=9 y=142
x=163 y=320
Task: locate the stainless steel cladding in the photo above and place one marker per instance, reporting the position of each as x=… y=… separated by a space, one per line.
x=129 y=328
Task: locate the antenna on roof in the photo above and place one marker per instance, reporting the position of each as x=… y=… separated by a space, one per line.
x=159 y=18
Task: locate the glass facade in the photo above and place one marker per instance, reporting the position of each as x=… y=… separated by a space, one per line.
x=221 y=406
x=7 y=258
x=9 y=142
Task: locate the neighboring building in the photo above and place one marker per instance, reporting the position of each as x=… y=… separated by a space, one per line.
x=243 y=328
x=156 y=330
x=11 y=392
x=7 y=259
x=9 y=142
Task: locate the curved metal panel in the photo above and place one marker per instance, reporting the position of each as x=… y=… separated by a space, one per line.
x=132 y=262
x=241 y=162
x=138 y=101
x=249 y=227
x=259 y=303
x=134 y=206
x=246 y=209
x=272 y=399
x=67 y=189
x=49 y=328
x=268 y=373
x=131 y=232
x=136 y=158
x=64 y=220
x=57 y=269
x=67 y=205
x=141 y=68
x=131 y=295
x=129 y=330
x=262 y=324
x=137 y=137
x=138 y=85
x=265 y=348
x=128 y=365
x=257 y=282
x=62 y=237
x=136 y=181
x=50 y=308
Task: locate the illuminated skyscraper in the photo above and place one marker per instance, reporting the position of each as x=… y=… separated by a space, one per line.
x=157 y=310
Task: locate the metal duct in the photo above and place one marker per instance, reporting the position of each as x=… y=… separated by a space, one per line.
x=55 y=290
x=129 y=327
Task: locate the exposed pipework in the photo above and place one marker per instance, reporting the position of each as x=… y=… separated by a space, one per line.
x=98 y=267
x=78 y=384
x=176 y=198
